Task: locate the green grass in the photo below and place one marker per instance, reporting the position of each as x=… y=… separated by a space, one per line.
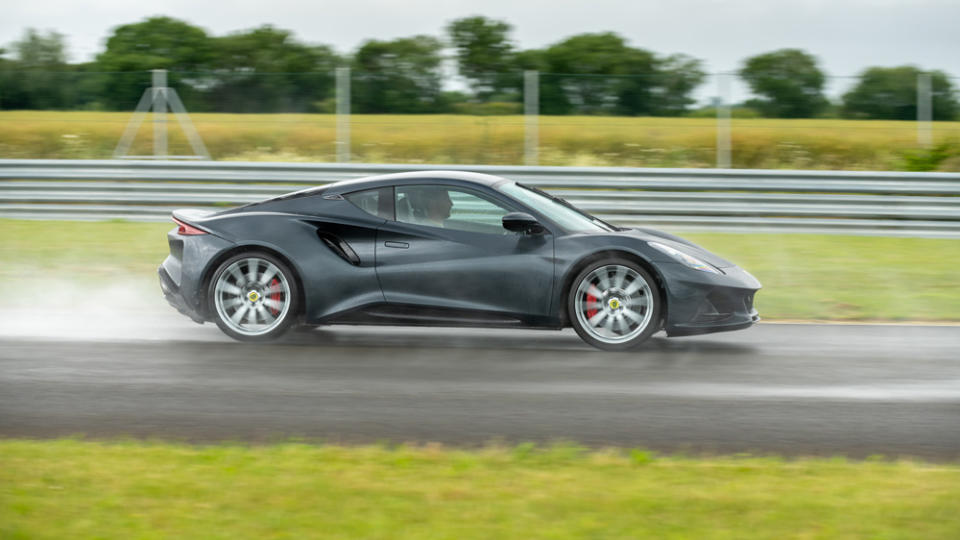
x=815 y=277
x=453 y=139
x=78 y=489
x=835 y=277
x=86 y=250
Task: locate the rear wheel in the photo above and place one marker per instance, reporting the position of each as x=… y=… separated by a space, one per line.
x=613 y=305
x=253 y=297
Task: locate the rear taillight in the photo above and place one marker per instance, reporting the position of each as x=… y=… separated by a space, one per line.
x=187 y=230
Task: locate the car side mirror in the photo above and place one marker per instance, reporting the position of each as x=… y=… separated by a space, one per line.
x=522 y=223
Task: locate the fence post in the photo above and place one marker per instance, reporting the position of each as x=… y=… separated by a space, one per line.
x=159 y=112
x=531 y=110
x=924 y=110
x=723 y=121
x=343 y=114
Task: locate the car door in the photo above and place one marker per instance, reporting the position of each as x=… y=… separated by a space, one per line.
x=465 y=261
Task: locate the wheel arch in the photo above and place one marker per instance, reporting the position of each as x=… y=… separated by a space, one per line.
x=586 y=260
x=215 y=263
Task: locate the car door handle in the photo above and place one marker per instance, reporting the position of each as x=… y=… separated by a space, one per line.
x=399 y=245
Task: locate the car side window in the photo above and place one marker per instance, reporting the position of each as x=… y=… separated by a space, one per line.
x=377 y=202
x=449 y=208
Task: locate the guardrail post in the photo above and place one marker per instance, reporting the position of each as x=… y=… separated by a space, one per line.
x=343 y=114
x=723 y=121
x=531 y=111
x=924 y=110
x=159 y=112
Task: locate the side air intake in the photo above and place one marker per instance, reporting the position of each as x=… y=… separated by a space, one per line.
x=338 y=246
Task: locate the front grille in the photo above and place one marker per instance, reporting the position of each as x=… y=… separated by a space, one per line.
x=721 y=305
x=708 y=312
x=724 y=301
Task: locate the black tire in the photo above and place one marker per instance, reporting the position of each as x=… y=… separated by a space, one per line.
x=623 y=318
x=278 y=297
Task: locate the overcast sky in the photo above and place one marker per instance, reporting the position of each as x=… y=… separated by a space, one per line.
x=846 y=35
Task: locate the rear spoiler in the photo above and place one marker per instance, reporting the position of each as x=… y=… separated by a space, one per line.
x=191 y=215
x=187 y=219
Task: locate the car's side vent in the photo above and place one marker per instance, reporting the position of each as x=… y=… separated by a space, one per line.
x=338 y=246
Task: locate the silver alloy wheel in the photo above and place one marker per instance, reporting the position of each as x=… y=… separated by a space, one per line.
x=252 y=296
x=614 y=303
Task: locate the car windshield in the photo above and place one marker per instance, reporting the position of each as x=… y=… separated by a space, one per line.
x=558 y=210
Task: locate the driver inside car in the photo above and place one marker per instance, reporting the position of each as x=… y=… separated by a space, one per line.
x=431 y=206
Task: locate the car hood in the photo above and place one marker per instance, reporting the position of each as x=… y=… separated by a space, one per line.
x=686 y=246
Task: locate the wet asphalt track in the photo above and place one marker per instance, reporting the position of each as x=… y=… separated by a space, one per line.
x=793 y=389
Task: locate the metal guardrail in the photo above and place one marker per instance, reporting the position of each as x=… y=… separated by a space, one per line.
x=851 y=202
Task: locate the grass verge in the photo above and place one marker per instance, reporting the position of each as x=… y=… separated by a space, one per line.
x=498 y=140
x=818 y=277
x=79 y=489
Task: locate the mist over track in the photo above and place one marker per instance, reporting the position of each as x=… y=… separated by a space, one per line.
x=788 y=388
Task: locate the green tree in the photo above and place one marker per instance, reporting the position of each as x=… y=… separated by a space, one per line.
x=597 y=74
x=789 y=83
x=39 y=51
x=267 y=70
x=678 y=76
x=891 y=93
x=11 y=93
x=484 y=54
x=398 y=76
x=156 y=43
x=532 y=59
x=35 y=79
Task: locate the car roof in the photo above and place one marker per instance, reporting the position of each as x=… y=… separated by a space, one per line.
x=382 y=180
x=412 y=177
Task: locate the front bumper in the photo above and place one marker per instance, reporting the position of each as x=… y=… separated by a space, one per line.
x=703 y=303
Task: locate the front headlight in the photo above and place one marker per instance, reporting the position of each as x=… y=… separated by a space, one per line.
x=683 y=258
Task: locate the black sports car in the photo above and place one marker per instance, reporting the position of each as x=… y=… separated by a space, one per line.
x=445 y=249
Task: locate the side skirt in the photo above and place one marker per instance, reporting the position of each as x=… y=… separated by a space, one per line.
x=411 y=315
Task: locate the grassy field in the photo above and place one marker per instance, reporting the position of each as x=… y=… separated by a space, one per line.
x=460 y=139
x=810 y=277
x=76 y=489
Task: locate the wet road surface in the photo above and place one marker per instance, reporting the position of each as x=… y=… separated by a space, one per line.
x=785 y=388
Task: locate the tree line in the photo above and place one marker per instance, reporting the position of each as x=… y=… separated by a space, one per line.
x=267 y=69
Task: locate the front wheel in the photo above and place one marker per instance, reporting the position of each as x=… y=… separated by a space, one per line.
x=253 y=297
x=613 y=305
